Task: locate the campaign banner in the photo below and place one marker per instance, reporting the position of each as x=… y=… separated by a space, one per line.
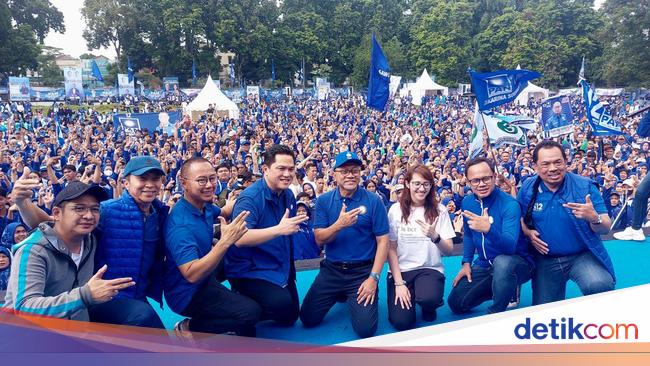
x=495 y=88
x=100 y=93
x=253 y=91
x=153 y=94
x=19 y=89
x=130 y=123
x=170 y=85
x=124 y=86
x=73 y=83
x=557 y=117
x=41 y=93
x=323 y=92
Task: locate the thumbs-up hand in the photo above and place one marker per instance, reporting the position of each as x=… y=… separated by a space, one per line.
x=478 y=223
x=105 y=290
x=22 y=190
x=347 y=218
x=584 y=211
x=290 y=225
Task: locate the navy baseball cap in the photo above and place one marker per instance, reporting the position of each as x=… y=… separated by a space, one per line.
x=346 y=157
x=77 y=189
x=140 y=165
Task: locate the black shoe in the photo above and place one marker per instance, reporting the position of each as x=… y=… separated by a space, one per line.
x=429 y=316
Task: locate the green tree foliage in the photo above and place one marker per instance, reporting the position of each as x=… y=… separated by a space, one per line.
x=40 y=15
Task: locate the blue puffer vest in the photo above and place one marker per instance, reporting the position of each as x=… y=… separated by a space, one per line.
x=575 y=189
x=121 y=244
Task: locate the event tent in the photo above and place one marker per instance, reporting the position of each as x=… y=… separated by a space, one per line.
x=424 y=86
x=531 y=90
x=210 y=94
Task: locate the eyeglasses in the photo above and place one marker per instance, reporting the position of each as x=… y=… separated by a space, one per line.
x=345 y=172
x=484 y=180
x=202 y=181
x=81 y=210
x=417 y=185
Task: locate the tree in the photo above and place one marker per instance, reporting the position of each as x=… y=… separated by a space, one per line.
x=51 y=74
x=104 y=19
x=394 y=51
x=40 y=15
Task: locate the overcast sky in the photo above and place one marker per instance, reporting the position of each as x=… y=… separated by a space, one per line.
x=73 y=43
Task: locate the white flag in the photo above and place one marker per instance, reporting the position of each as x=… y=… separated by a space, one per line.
x=502 y=132
x=476 y=139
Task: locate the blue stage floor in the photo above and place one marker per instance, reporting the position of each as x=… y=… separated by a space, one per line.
x=631 y=262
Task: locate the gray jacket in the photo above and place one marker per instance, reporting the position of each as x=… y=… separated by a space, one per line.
x=45 y=280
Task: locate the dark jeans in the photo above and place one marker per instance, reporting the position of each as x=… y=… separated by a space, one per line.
x=216 y=309
x=126 y=311
x=332 y=284
x=640 y=204
x=426 y=286
x=498 y=282
x=280 y=304
x=552 y=274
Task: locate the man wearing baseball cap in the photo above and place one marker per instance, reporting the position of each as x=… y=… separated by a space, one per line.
x=52 y=270
x=130 y=241
x=353 y=223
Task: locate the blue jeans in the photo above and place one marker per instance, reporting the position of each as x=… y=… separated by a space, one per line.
x=640 y=204
x=552 y=274
x=498 y=282
x=126 y=311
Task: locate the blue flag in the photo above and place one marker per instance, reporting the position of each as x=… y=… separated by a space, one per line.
x=273 y=70
x=379 y=80
x=499 y=87
x=232 y=73
x=129 y=69
x=96 y=73
x=193 y=72
x=59 y=133
x=599 y=117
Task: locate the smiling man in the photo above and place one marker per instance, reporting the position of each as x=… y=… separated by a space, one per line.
x=260 y=265
x=563 y=216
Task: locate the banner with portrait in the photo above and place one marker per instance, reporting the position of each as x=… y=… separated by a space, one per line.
x=557 y=117
x=170 y=85
x=163 y=122
x=125 y=87
x=74 y=89
x=42 y=93
x=19 y=89
x=253 y=91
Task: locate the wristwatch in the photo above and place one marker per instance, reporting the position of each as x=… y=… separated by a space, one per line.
x=374 y=276
x=403 y=283
x=600 y=221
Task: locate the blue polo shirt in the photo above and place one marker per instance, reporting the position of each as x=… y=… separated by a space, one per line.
x=188 y=236
x=358 y=242
x=269 y=261
x=555 y=224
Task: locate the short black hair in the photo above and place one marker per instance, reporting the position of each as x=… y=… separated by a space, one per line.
x=274 y=150
x=189 y=162
x=479 y=160
x=547 y=144
x=301 y=195
x=70 y=167
x=223 y=165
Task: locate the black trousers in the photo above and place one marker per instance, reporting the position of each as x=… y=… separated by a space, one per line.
x=426 y=286
x=332 y=284
x=216 y=309
x=280 y=304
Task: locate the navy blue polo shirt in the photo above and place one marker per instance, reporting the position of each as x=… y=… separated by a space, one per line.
x=554 y=222
x=269 y=261
x=188 y=236
x=358 y=242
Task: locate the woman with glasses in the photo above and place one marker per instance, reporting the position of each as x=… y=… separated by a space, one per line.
x=420 y=232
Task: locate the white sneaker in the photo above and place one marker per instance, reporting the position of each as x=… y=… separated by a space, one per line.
x=630 y=234
x=514 y=302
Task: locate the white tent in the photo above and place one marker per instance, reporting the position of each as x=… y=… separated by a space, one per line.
x=531 y=90
x=425 y=86
x=210 y=94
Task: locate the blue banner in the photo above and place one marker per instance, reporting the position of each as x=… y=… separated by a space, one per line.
x=47 y=94
x=19 y=89
x=557 y=117
x=495 y=88
x=131 y=122
x=379 y=81
x=599 y=117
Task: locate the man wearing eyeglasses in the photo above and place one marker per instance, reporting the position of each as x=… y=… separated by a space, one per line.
x=130 y=241
x=353 y=225
x=491 y=229
x=52 y=270
x=563 y=217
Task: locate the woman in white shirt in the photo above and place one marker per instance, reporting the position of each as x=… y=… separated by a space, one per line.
x=420 y=231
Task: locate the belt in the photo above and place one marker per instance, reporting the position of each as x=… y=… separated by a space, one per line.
x=350 y=265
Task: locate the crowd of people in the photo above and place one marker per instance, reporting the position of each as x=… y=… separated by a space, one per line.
x=128 y=217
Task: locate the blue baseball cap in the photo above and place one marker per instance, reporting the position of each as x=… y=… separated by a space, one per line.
x=140 y=165
x=346 y=157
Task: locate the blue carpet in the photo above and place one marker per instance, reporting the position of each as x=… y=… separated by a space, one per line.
x=631 y=261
